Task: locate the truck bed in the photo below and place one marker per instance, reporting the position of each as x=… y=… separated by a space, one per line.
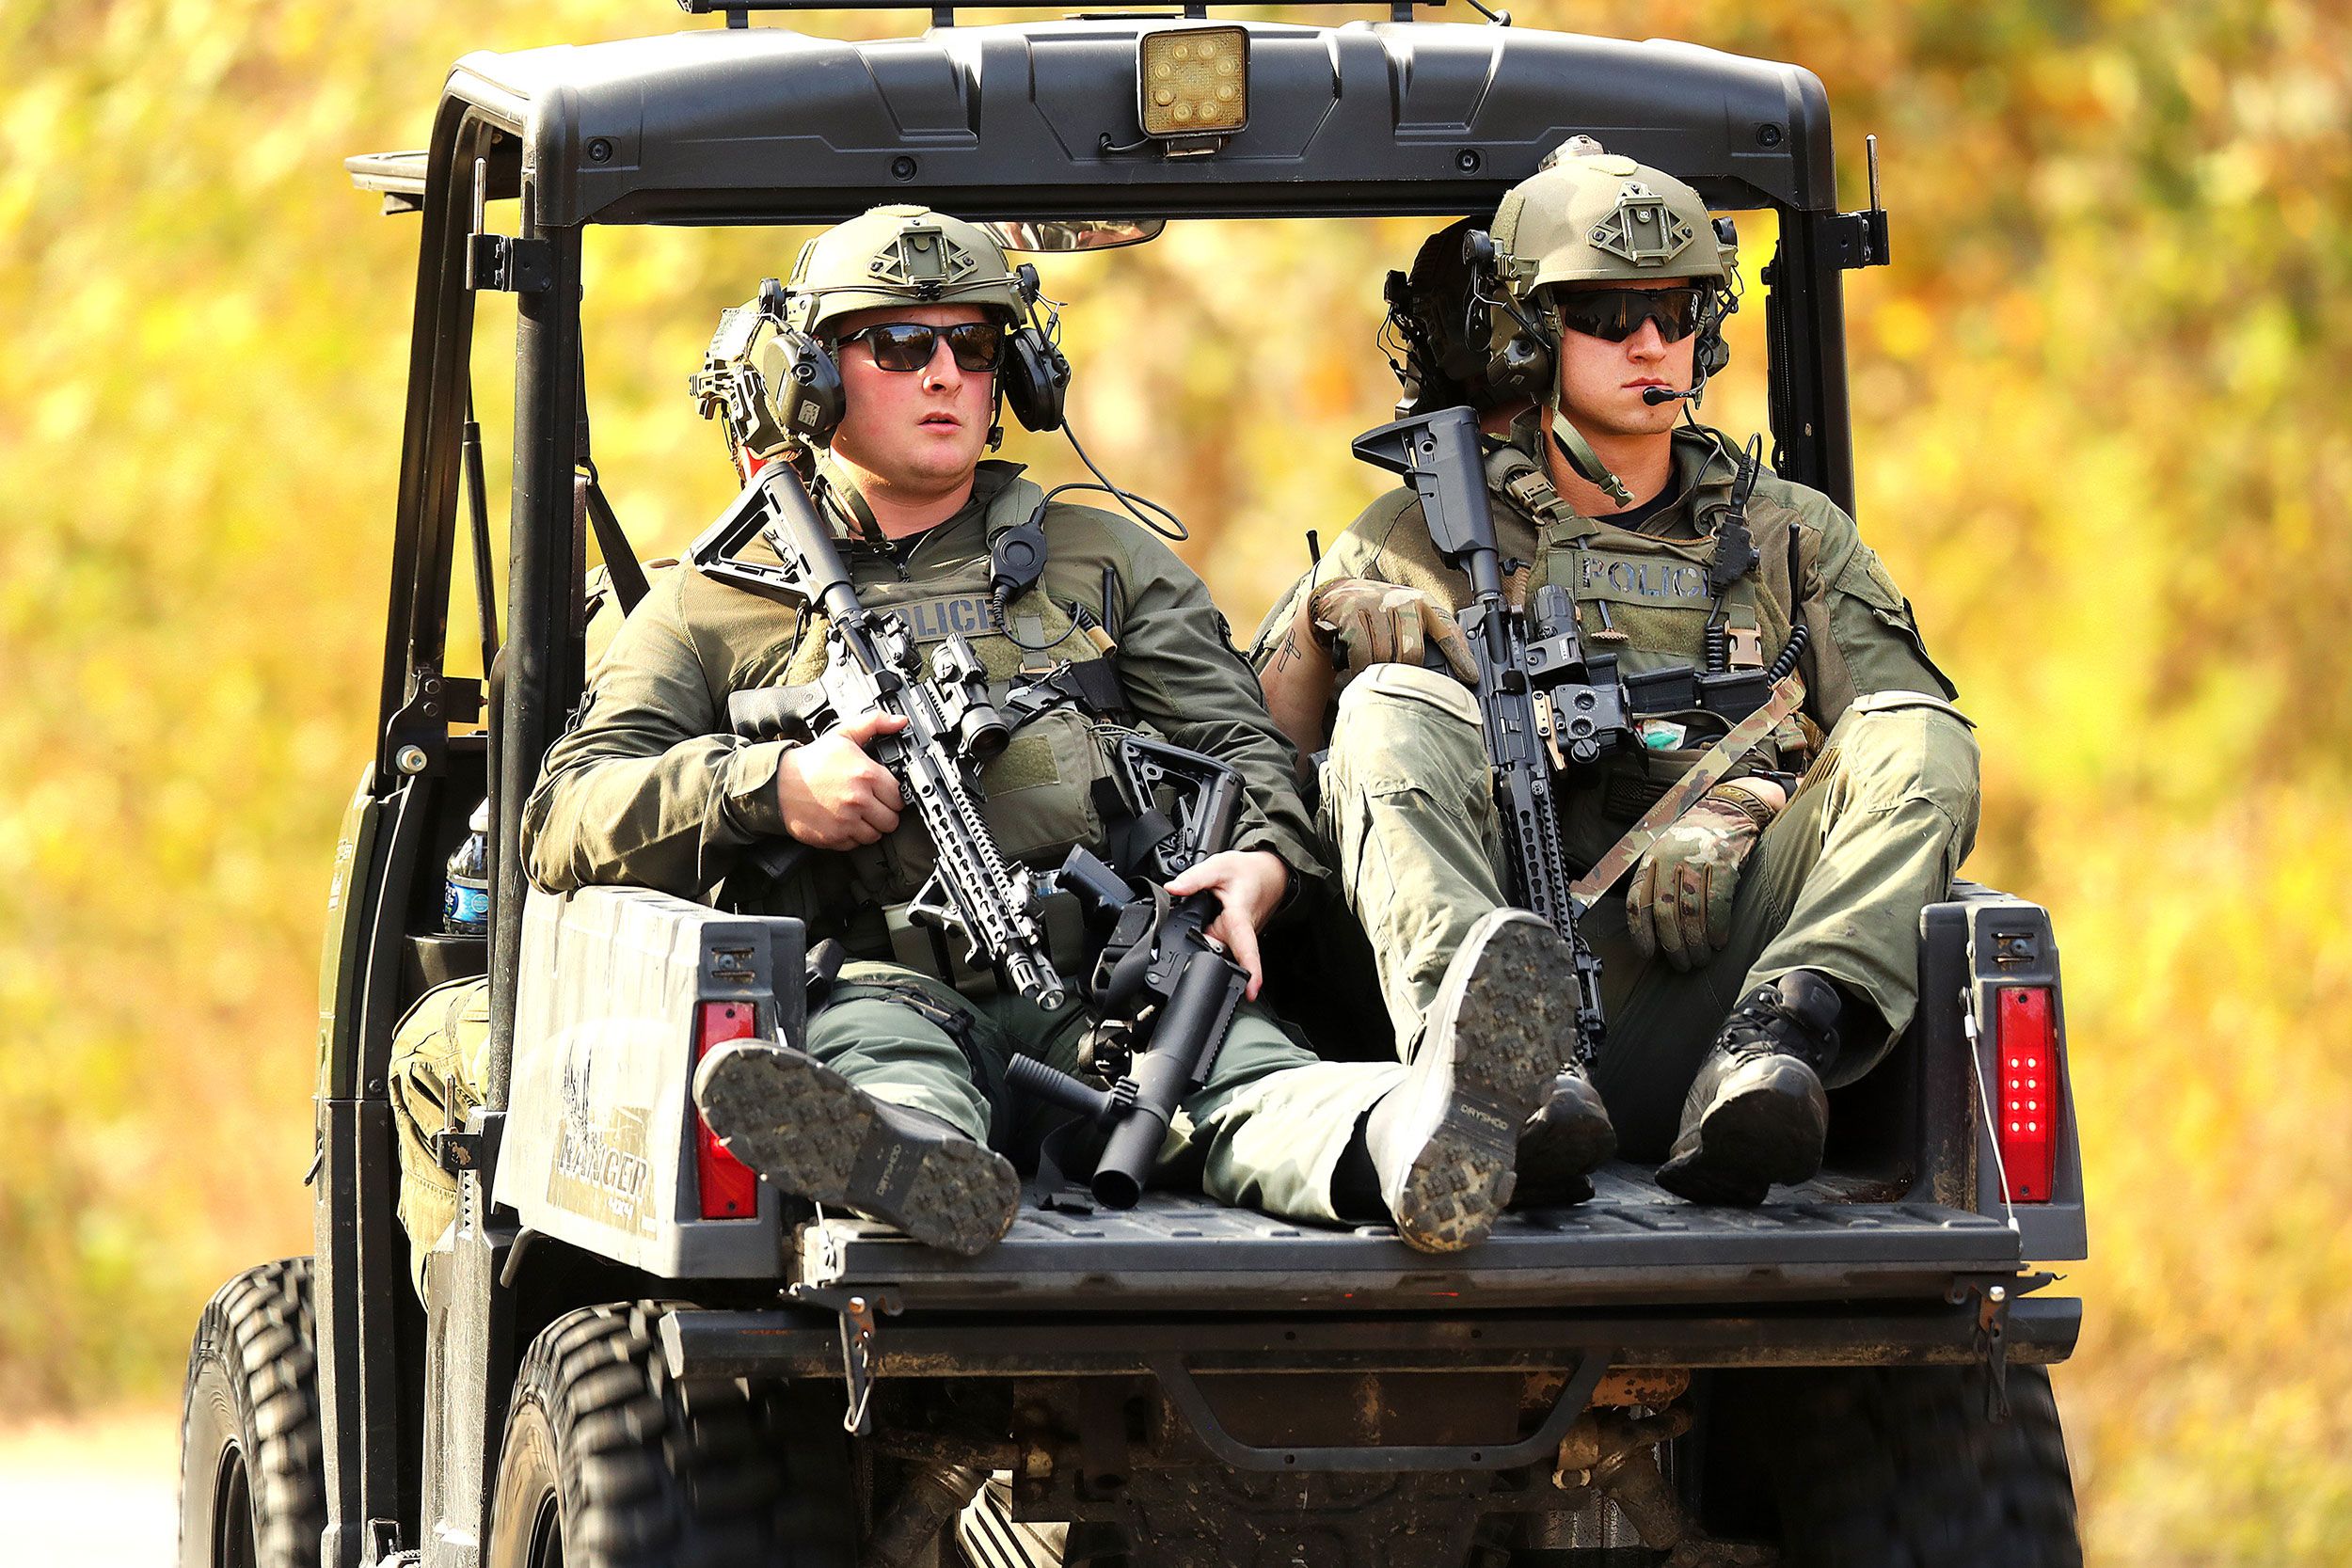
x=1179 y=1285
x=1631 y=1242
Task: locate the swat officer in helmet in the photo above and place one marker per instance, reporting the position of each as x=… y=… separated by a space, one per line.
x=898 y=338
x=1766 y=947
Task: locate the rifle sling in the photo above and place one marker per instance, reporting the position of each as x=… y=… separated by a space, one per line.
x=1717 y=761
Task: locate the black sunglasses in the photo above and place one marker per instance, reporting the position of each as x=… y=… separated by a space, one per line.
x=1616 y=315
x=909 y=345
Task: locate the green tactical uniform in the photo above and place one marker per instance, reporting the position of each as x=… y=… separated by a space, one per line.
x=650 y=789
x=1884 y=813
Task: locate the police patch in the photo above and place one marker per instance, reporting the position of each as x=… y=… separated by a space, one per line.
x=936 y=620
x=1641 y=579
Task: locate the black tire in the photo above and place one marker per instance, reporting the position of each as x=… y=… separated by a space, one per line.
x=1901 y=1468
x=611 y=1462
x=252 y=1481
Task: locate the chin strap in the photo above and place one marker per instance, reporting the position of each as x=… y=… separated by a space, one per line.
x=1572 y=445
x=851 y=507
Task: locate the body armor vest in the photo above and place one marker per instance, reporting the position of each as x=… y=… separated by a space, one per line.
x=1648 y=601
x=1040 y=790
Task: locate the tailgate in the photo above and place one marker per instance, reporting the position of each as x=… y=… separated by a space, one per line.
x=1630 y=1242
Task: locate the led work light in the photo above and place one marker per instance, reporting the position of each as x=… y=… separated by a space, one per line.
x=1192 y=83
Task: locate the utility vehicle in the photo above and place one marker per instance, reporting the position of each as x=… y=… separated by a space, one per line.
x=635 y=1355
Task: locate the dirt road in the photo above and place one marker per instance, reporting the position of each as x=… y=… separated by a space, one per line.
x=99 y=1493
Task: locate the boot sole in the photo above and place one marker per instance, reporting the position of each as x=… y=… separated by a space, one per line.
x=815 y=1135
x=1506 y=1051
x=1769 y=1132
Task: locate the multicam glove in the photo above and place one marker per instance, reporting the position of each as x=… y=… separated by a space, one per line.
x=1366 y=623
x=1679 y=900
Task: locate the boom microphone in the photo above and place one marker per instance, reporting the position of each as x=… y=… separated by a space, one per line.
x=1656 y=395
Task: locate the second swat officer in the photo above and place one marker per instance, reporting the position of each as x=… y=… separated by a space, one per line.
x=1767 y=945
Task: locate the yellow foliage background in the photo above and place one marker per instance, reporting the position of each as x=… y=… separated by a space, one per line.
x=2101 y=438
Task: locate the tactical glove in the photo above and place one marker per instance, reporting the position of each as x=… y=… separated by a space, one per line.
x=1366 y=623
x=1679 y=900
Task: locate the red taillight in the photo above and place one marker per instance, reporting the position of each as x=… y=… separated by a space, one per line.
x=730 y=1188
x=2025 y=1037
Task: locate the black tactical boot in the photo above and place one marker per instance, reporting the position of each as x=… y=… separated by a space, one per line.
x=816 y=1136
x=1565 y=1140
x=1757 y=1113
x=1444 y=1141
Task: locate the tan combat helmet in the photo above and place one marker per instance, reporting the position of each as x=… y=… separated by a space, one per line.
x=1587 y=216
x=899 y=255
x=1591 y=216
x=772 y=368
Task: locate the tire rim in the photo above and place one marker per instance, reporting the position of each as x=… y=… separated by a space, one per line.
x=527 y=1508
x=546 y=1536
x=232 y=1511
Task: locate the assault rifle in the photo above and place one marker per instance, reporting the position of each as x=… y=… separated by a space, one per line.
x=1167 y=988
x=1539 y=702
x=872 y=665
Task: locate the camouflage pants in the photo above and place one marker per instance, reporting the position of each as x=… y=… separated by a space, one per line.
x=1266 y=1132
x=1836 y=885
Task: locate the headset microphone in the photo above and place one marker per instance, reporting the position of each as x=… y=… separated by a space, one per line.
x=1656 y=395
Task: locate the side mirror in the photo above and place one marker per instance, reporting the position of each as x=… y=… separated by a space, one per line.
x=1064 y=235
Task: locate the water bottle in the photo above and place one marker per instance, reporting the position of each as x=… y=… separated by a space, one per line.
x=465 y=904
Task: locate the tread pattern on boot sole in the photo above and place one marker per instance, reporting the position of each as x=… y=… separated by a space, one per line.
x=1751 y=1141
x=815 y=1135
x=1506 y=1055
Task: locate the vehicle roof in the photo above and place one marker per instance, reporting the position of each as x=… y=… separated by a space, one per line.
x=767 y=124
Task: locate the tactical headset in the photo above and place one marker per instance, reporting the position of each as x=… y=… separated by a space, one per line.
x=803 y=379
x=1422 y=306
x=771 y=376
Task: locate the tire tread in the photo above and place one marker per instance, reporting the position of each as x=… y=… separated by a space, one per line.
x=1902 y=1466
x=654 y=1472
x=259 y=1335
